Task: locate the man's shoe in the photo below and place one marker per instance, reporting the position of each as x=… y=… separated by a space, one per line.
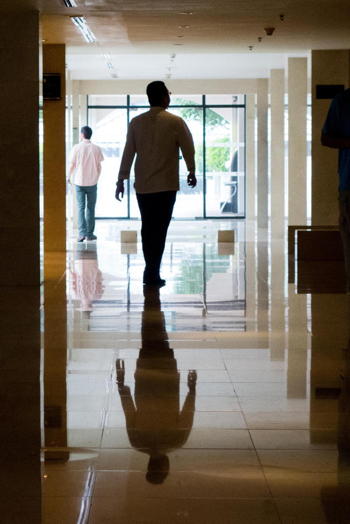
x=91 y=237
x=81 y=239
x=159 y=282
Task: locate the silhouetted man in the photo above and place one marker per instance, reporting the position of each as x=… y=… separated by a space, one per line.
x=336 y=134
x=85 y=165
x=155 y=137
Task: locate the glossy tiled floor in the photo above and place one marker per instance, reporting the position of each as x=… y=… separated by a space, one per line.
x=222 y=398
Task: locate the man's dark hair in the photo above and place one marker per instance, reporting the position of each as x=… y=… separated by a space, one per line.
x=156 y=91
x=86 y=131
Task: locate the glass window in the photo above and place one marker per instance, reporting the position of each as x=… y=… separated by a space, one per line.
x=109 y=128
x=107 y=100
x=224 y=161
x=185 y=100
x=227 y=100
x=219 y=137
x=139 y=100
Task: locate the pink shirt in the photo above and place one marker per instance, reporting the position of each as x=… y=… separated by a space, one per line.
x=86 y=161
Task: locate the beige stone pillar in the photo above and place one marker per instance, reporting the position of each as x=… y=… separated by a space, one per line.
x=328 y=67
x=55 y=155
x=19 y=145
x=250 y=158
x=262 y=173
x=75 y=119
x=297 y=107
x=19 y=269
x=83 y=110
x=277 y=153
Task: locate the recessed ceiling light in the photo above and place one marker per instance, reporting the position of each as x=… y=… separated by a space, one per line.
x=70 y=3
x=184 y=26
x=81 y=23
x=188 y=13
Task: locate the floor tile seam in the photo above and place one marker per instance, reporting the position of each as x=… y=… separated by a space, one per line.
x=279 y=516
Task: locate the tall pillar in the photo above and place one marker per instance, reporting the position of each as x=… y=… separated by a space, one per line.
x=250 y=156
x=297 y=107
x=328 y=67
x=83 y=111
x=277 y=153
x=19 y=147
x=262 y=172
x=20 y=498
x=54 y=61
x=75 y=116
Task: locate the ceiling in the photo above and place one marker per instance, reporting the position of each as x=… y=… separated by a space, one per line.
x=209 y=38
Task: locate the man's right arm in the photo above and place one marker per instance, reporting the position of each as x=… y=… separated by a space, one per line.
x=126 y=163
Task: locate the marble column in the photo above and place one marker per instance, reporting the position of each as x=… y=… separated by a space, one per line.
x=262 y=167
x=54 y=61
x=328 y=67
x=83 y=120
x=277 y=191
x=297 y=107
x=75 y=119
x=20 y=496
x=277 y=153
x=251 y=158
x=19 y=146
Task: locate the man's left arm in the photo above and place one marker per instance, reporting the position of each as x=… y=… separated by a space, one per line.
x=187 y=147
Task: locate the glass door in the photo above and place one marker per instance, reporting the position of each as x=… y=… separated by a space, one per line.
x=217 y=124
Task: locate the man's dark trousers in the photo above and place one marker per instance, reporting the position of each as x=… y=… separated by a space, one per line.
x=156 y=210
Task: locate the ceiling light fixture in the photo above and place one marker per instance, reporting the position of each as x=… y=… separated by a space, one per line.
x=81 y=23
x=188 y=13
x=184 y=26
x=70 y=3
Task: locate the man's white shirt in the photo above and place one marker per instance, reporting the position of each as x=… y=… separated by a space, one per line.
x=86 y=161
x=156 y=137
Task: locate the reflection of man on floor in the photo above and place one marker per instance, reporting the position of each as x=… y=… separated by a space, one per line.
x=155 y=137
x=336 y=134
x=155 y=423
x=87 y=278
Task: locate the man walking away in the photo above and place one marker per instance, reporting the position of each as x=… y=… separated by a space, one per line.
x=336 y=134
x=155 y=137
x=85 y=165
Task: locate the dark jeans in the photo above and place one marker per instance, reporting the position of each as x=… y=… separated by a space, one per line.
x=156 y=210
x=86 y=199
x=344 y=226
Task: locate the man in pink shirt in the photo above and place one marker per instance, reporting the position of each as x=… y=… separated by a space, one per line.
x=85 y=167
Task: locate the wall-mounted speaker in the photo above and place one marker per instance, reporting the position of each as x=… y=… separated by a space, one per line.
x=52 y=86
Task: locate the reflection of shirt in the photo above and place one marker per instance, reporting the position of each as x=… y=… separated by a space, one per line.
x=155 y=137
x=86 y=159
x=87 y=282
x=337 y=125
